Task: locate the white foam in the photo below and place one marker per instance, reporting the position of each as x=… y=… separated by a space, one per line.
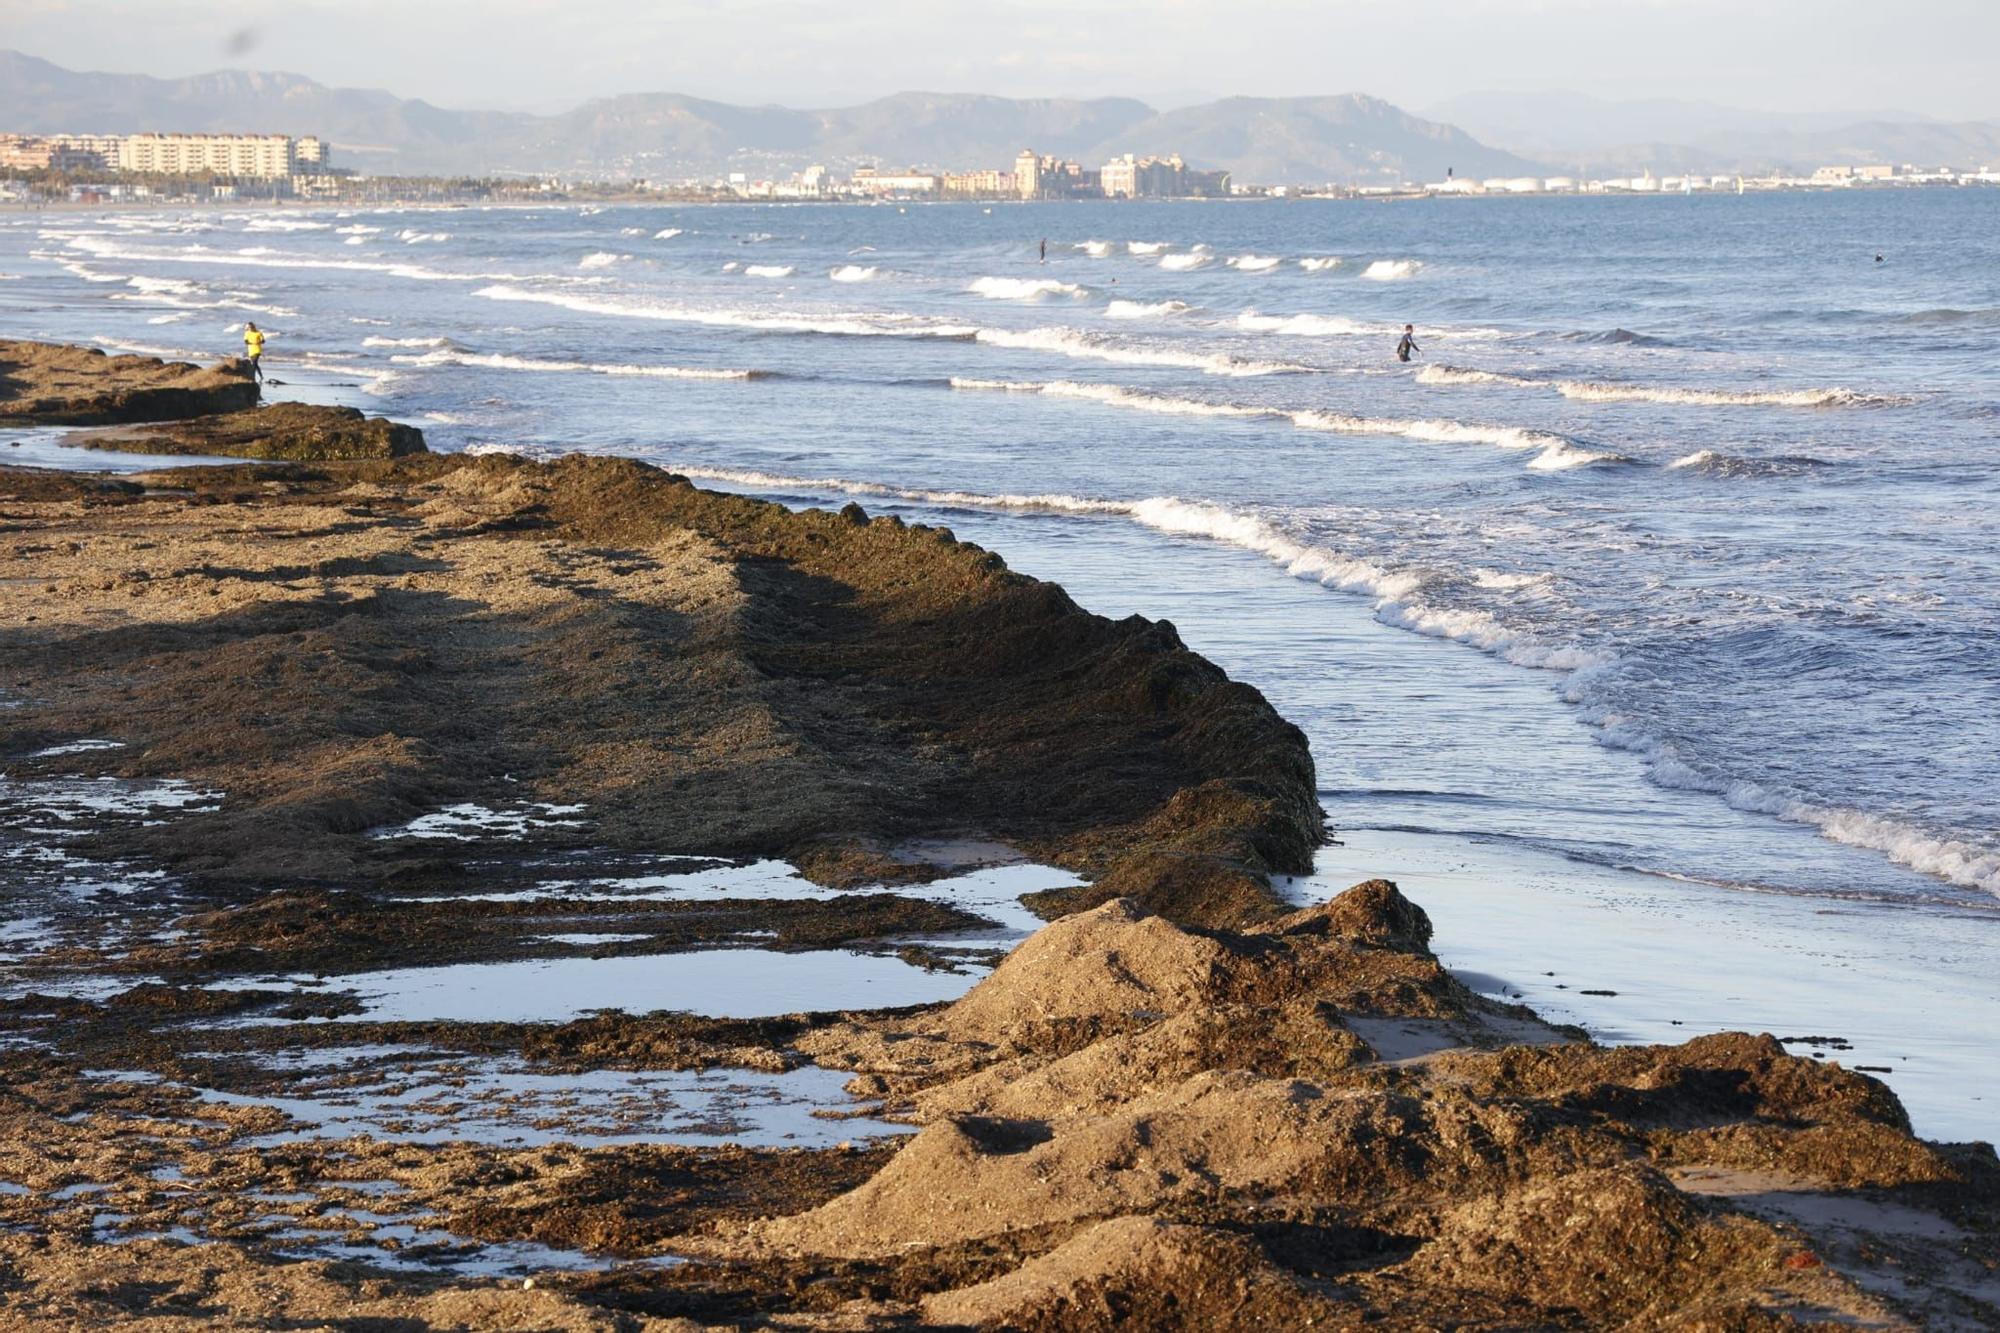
x=1094 y=347
x=858 y=325
x=1255 y=263
x=1058 y=341
x=1585 y=391
x=404 y=342
x=272 y=259
x=1590 y=391
x=1096 y=249
x=769 y=271
x=1553 y=452
x=1394 y=590
x=1115 y=395
x=267 y=223
x=1183 y=263
x=601 y=259
x=855 y=273
x=1953 y=859
x=1022 y=289
x=1458 y=375
x=500 y=361
x=1304 y=326
x=666 y=233
x=412 y=237
x=1319 y=263
x=1145 y=247
x=1388 y=270
x=1145 y=309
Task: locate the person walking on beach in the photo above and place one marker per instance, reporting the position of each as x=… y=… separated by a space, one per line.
x=253 y=347
x=1408 y=343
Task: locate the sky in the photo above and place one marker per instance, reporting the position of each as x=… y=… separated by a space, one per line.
x=1929 y=57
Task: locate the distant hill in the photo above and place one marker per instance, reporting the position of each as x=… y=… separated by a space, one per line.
x=1351 y=138
x=1271 y=140
x=372 y=129
x=1597 y=135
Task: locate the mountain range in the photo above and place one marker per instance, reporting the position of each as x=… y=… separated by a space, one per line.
x=1597 y=136
x=1351 y=138
x=668 y=135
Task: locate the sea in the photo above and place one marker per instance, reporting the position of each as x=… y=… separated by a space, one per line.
x=1648 y=619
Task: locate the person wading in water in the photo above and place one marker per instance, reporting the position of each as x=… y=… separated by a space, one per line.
x=1408 y=343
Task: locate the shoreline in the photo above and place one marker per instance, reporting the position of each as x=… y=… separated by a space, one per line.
x=1234 y=1108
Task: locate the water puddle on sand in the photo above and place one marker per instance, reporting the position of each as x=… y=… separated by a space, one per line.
x=992 y=891
x=470 y=822
x=716 y=983
x=503 y=1102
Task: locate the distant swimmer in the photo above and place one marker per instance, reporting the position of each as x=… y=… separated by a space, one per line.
x=1045 y=249
x=1878 y=259
x=1408 y=343
x=253 y=347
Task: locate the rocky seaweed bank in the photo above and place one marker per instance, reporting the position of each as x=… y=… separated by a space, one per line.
x=453 y=892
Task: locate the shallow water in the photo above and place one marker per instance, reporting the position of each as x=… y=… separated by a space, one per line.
x=720 y=983
x=504 y=1103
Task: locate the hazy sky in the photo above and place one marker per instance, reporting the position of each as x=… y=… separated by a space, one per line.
x=1934 y=57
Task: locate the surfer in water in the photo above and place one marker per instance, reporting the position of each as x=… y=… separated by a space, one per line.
x=1045 y=249
x=1408 y=343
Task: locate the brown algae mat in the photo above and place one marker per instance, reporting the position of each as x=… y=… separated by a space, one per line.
x=233 y=695
x=60 y=385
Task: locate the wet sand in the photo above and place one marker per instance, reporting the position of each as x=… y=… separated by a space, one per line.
x=476 y=893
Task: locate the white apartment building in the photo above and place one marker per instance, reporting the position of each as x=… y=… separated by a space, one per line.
x=254 y=155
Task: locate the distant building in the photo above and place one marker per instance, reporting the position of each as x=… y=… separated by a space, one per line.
x=1028 y=174
x=868 y=180
x=986 y=183
x=24 y=152
x=1833 y=175
x=258 y=156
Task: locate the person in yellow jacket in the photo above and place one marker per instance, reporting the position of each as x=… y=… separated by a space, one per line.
x=253 y=347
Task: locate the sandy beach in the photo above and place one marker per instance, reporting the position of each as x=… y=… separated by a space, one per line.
x=475 y=892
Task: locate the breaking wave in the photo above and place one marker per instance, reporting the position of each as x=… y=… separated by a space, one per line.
x=1395 y=590
x=1145 y=309
x=1183 y=263
x=404 y=342
x=769 y=270
x=855 y=273
x=601 y=259
x=1388 y=270
x=1590 y=391
x=1304 y=326
x=1952 y=859
x=1093 y=347
x=1552 y=452
x=666 y=233
x=1059 y=341
x=1254 y=263
x=1145 y=247
x=1022 y=289
x=500 y=361
x=1719 y=464
x=1319 y=264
